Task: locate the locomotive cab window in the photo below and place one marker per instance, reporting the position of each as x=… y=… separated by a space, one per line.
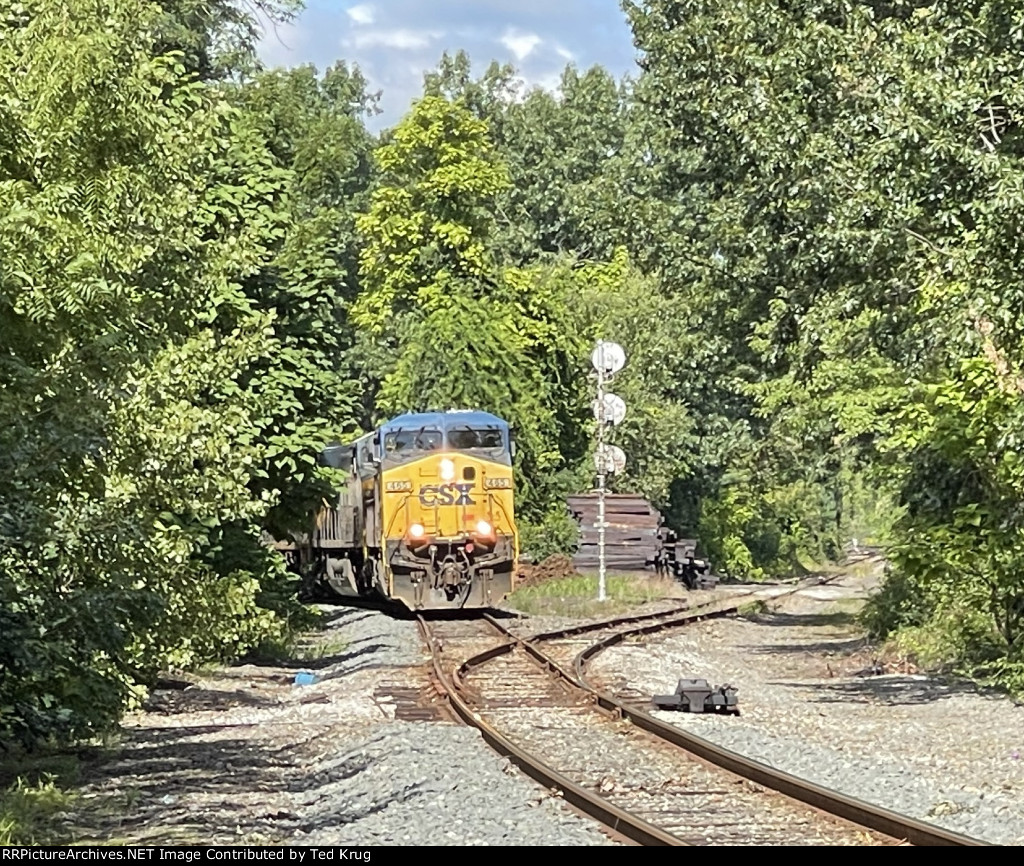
x=405 y=442
x=466 y=438
x=472 y=438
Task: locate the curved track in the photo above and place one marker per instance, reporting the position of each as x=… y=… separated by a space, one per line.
x=650 y=781
x=628 y=708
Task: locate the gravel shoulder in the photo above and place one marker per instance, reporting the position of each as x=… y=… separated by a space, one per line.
x=366 y=756
x=363 y=756
x=812 y=704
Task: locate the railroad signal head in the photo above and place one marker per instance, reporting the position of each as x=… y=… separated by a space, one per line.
x=608 y=358
x=610 y=460
x=610 y=409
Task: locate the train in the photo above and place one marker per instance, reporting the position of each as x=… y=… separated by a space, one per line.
x=425 y=516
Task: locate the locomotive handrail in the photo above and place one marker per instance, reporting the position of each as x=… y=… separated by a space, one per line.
x=394 y=517
x=511 y=523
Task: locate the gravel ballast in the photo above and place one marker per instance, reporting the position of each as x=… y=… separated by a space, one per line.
x=246 y=756
x=811 y=705
x=364 y=756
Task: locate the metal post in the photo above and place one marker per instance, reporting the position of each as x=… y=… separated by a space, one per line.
x=600 y=487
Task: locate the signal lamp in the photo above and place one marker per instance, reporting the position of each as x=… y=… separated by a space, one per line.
x=484 y=528
x=416 y=530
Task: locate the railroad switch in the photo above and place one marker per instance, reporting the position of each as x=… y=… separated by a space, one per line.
x=696 y=696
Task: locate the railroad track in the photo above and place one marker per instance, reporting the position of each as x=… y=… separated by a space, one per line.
x=649 y=781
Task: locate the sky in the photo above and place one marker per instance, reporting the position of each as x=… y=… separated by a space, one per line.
x=395 y=41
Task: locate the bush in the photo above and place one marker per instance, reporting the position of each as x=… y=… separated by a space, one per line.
x=556 y=533
x=948 y=639
x=1002 y=673
x=900 y=603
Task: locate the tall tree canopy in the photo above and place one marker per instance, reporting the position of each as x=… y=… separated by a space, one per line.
x=840 y=191
x=135 y=203
x=801 y=221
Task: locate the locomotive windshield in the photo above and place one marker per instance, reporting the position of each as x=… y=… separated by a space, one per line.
x=417 y=435
x=471 y=438
x=406 y=440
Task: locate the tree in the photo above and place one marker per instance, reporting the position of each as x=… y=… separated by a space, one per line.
x=459 y=329
x=135 y=201
x=429 y=223
x=557 y=147
x=840 y=186
x=314 y=128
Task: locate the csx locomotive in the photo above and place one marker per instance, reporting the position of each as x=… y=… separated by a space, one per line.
x=426 y=515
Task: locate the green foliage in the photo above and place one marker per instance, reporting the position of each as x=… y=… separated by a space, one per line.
x=555 y=532
x=429 y=219
x=313 y=128
x=954 y=598
x=947 y=638
x=28 y=813
x=1001 y=673
x=962 y=536
x=137 y=203
x=218 y=38
x=447 y=325
x=557 y=148
x=835 y=188
x=614 y=301
x=800 y=222
x=737 y=535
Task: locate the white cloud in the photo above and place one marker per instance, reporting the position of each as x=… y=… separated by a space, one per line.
x=402 y=39
x=361 y=14
x=549 y=81
x=281 y=43
x=394 y=42
x=520 y=44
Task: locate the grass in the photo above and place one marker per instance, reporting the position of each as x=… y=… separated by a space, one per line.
x=317 y=649
x=850 y=607
x=753 y=608
x=577 y=596
x=31 y=804
x=296 y=648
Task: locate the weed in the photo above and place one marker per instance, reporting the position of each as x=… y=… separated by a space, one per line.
x=577 y=596
x=28 y=812
x=296 y=648
x=316 y=649
x=754 y=608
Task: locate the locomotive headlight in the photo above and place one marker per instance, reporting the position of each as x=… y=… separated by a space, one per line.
x=447 y=470
x=416 y=530
x=484 y=528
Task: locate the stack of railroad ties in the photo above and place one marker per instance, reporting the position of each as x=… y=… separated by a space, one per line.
x=635 y=540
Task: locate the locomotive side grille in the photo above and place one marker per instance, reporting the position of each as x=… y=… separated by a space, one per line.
x=335 y=528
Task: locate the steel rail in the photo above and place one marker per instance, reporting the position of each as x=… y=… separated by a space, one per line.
x=858 y=811
x=611 y=816
x=732 y=604
x=608 y=623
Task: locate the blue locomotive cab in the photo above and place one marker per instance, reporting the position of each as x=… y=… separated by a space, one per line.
x=415 y=435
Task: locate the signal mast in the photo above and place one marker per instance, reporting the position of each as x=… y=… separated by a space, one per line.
x=609 y=409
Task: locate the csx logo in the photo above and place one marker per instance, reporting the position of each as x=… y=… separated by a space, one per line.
x=445 y=494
